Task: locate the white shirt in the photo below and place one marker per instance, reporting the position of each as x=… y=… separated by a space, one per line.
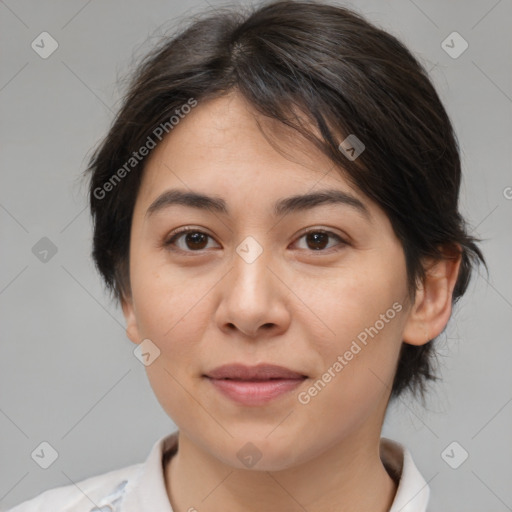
x=141 y=487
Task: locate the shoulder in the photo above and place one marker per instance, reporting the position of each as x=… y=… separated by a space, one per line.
x=132 y=488
x=87 y=495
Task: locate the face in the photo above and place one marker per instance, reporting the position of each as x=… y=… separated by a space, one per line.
x=317 y=287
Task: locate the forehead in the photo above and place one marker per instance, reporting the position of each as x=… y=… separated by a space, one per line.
x=224 y=148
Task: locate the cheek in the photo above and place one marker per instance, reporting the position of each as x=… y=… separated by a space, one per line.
x=169 y=304
x=362 y=318
x=357 y=366
x=173 y=313
x=355 y=301
x=174 y=393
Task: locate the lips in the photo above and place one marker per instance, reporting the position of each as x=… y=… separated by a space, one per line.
x=261 y=372
x=254 y=385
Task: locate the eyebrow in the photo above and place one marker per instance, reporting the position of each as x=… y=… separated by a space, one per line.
x=283 y=206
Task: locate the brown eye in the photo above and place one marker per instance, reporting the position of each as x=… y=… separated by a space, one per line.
x=196 y=240
x=193 y=240
x=317 y=240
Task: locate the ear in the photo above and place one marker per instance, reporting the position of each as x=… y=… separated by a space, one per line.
x=433 y=302
x=132 y=329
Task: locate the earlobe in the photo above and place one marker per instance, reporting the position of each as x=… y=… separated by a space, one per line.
x=433 y=302
x=132 y=330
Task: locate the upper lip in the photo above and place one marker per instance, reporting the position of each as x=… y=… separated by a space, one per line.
x=259 y=372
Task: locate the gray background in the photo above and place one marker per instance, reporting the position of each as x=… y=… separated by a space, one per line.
x=67 y=371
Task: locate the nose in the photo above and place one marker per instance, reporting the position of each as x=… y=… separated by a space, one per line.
x=253 y=299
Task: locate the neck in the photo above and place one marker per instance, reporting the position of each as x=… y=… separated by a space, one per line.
x=349 y=476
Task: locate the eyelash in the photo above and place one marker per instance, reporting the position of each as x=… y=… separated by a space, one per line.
x=170 y=242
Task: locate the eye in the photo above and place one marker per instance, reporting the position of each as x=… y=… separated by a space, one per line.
x=193 y=239
x=317 y=239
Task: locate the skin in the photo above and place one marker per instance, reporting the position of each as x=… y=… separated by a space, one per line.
x=293 y=306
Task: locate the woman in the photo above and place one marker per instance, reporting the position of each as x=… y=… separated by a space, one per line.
x=276 y=210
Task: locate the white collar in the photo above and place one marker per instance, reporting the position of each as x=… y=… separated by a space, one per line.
x=147 y=490
x=413 y=492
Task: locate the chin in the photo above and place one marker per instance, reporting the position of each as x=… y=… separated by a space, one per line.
x=260 y=452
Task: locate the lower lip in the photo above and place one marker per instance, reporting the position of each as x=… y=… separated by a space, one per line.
x=255 y=392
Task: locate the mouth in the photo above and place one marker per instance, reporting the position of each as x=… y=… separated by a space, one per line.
x=254 y=385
